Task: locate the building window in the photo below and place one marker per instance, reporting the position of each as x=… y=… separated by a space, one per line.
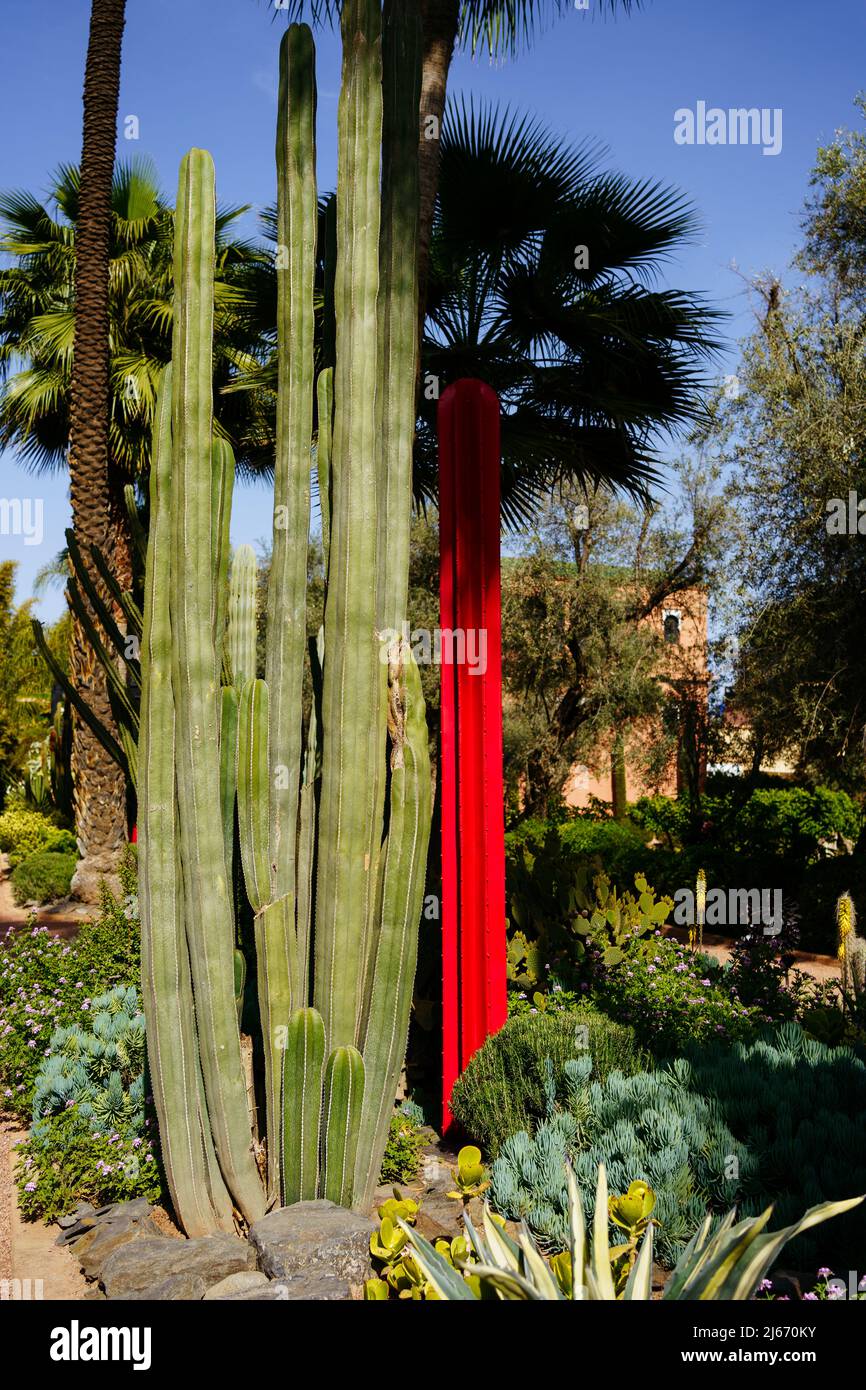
x=671 y=620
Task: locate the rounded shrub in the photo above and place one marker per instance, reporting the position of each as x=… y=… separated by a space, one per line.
x=504 y=1089
x=23 y=832
x=43 y=877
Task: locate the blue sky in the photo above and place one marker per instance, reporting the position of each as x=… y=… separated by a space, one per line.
x=205 y=74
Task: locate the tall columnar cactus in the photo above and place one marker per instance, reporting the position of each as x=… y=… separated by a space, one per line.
x=332 y=812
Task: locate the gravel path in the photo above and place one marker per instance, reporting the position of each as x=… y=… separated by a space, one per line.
x=7 y=1136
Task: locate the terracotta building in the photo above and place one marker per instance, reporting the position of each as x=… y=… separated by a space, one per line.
x=680 y=622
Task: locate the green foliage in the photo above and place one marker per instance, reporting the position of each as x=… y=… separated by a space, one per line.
x=63 y=1162
x=98 y=1068
x=45 y=876
x=402 y=1158
x=25 y=685
x=503 y=1089
x=552 y=895
x=801 y=1107
x=673 y=997
x=23 y=832
x=730 y=1264
x=46 y=983
x=650 y=1126
x=771 y=822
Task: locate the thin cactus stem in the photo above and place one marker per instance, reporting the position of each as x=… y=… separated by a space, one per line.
x=351 y=645
x=386 y=1024
x=209 y=919
x=297 y=214
x=199 y=1195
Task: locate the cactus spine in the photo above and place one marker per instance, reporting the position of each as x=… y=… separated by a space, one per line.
x=334 y=884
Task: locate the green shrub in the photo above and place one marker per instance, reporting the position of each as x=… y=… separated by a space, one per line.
x=773 y=822
x=802 y=1106
x=402 y=1157
x=43 y=877
x=63 y=1162
x=46 y=982
x=23 y=832
x=558 y=898
x=651 y=1127
x=503 y=1088
x=673 y=998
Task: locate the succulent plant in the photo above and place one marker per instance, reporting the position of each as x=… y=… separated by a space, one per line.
x=333 y=820
x=727 y=1264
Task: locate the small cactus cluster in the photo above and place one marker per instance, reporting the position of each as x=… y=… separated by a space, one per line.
x=325 y=822
x=98 y=1069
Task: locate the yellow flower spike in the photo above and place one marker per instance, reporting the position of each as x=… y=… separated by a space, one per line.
x=701 y=905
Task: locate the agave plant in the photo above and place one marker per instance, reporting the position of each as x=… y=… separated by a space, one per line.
x=727 y=1264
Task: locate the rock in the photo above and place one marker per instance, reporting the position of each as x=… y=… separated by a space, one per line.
x=241 y=1282
x=314 y=1238
x=171 y=1269
x=321 y=1288
x=427 y=1225
x=83 y=1209
x=98 y=1234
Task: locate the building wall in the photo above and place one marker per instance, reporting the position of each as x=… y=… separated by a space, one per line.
x=684 y=661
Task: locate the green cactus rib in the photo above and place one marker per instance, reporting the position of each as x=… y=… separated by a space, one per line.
x=393 y=964
x=308 y=814
x=324 y=444
x=200 y=1198
x=228 y=772
x=223 y=471
x=341 y=1120
x=297 y=214
x=351 y=644
x=276 y=948
x=209 y=920
x=395 y=397
x=303 y=1067
x=398 y=304
x=241 y=637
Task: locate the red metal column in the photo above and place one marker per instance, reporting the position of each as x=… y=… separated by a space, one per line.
x=474 y=1001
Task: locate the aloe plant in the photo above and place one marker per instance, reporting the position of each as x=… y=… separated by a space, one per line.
x=332 y=820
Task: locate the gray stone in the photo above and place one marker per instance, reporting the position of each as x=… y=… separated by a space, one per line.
x=97 y=1234
x=314 y=1238
x=320 y=1288
x=317 y=1288
x=171 y=1269
x=237 y=1283
x=83 y=1209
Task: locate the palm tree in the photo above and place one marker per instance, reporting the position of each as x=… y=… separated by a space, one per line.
x=495 y=25
x=100 y=792
x=542 y=283
x=590 y=361
x=37 y=320
x=37 y=334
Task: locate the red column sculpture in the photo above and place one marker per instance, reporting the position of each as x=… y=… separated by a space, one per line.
x=474 y=1001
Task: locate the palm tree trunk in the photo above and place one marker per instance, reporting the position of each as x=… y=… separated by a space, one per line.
x=100 y=789
x=440 y=24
